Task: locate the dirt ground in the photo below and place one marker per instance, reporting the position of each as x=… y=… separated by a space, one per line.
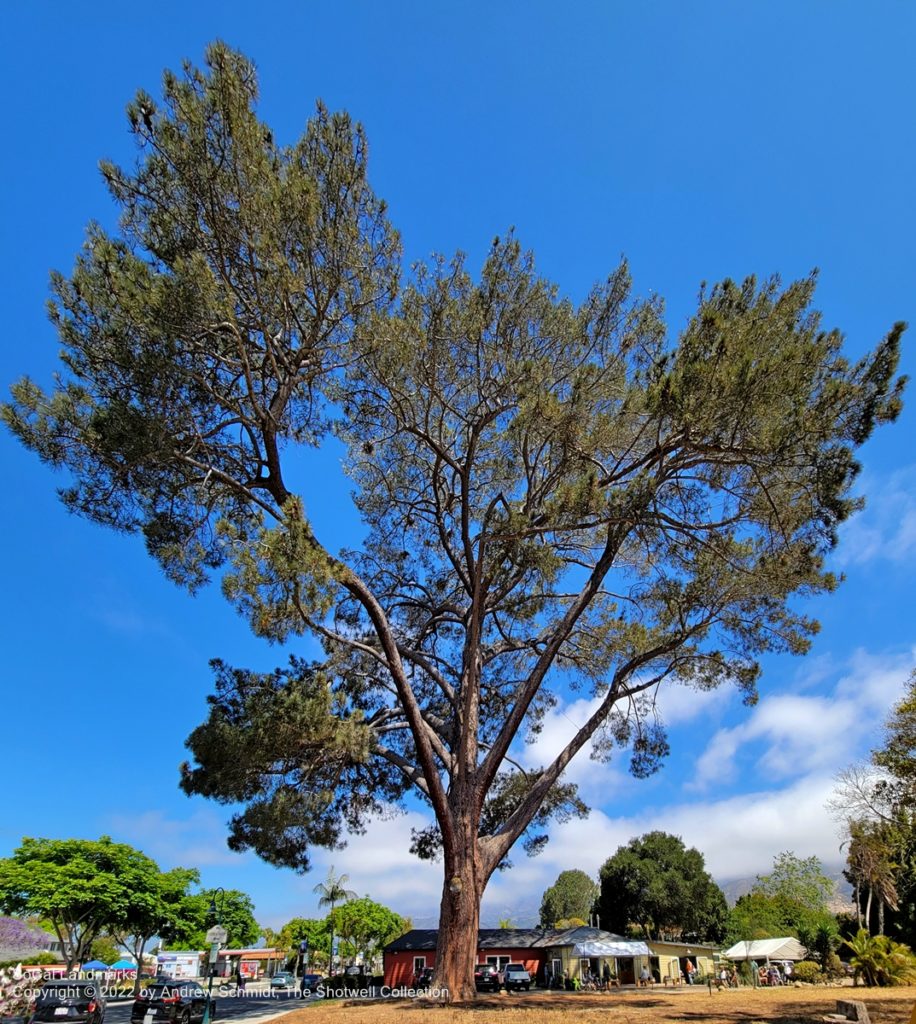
x=683 y=1006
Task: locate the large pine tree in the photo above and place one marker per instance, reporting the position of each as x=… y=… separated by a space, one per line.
x=554 y=494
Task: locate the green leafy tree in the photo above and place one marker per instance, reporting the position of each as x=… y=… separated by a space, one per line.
x=234 y=911
x=797 y=882
x=792 y=900
x=553 y=494
x=898 y=754
x=572 y=895
x=316 y=932
x=662 y=889
x=104 y=948
x=365 y=925
x=754 y=916
x=896 y=758
x=159 y=907
x=81 y=887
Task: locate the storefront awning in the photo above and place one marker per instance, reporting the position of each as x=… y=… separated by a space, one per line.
x=622 y=947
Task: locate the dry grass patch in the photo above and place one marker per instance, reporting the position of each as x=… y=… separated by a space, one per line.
x=741 y=1006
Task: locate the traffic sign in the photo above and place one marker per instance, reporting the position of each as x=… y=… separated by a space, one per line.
x=217 y=934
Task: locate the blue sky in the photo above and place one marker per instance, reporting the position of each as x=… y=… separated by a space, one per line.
x=701 y=140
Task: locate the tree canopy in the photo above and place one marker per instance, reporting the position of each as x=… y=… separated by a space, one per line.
x=365 y=926
x=554 y=494
x=572 y=895
x=162 y=908
x=794 y=899
x=656 y=887
x=316 y=932
x=897 y=756
x=84 y=888
x=876 y=803
x=234 y=911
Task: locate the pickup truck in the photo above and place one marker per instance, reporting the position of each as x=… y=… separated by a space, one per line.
x=515 y=976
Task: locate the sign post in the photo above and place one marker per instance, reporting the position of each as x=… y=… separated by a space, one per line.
x=216 y=936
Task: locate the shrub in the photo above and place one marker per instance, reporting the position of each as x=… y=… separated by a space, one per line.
x=808 y=970
x=834 y=966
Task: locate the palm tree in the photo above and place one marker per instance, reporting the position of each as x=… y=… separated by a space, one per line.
x=880 y=960
x=330 y=892
x=871 y=865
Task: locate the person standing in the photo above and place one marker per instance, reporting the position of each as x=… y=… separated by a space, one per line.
x=689 y=970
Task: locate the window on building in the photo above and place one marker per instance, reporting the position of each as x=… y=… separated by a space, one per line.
x=499 y=962
x=419 y=962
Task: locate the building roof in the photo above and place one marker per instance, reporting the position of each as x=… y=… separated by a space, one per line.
x=767 y=949
x=421 y=939
x=617 y=947
x=687 y=946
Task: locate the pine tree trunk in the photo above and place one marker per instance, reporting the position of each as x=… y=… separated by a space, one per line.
x=868 y=911
x=880 y=916
x=857 y=894
x=459 y=918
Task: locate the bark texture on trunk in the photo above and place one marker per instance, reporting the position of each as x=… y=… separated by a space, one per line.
x=459 y=920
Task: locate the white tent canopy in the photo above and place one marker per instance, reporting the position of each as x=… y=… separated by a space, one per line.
x=767 y=949
x=619 y=947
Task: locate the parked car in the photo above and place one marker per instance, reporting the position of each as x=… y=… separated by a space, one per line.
x=174 y=1002
x=487 y=976
x=310 y=983
x=516 y=976
x=423 y=978
x=283 y=979
x=70 y=999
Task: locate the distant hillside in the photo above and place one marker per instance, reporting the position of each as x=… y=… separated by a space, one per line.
x=735 y=888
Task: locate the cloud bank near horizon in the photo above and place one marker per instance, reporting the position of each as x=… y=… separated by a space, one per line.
x=754 y=789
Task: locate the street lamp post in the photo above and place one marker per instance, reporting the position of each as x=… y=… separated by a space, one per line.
x=214 y=949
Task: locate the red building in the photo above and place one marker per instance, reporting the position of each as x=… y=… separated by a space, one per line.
x=542 y=950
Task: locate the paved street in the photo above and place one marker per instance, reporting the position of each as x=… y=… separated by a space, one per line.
x=254 y=1006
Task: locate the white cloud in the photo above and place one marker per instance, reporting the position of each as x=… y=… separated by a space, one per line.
x=676 y=705
x=787 y=750
x=792 y=734
x=886 y=529
x=197 y=841
x=738 y=836
x=559 y=725
x=378 y=864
